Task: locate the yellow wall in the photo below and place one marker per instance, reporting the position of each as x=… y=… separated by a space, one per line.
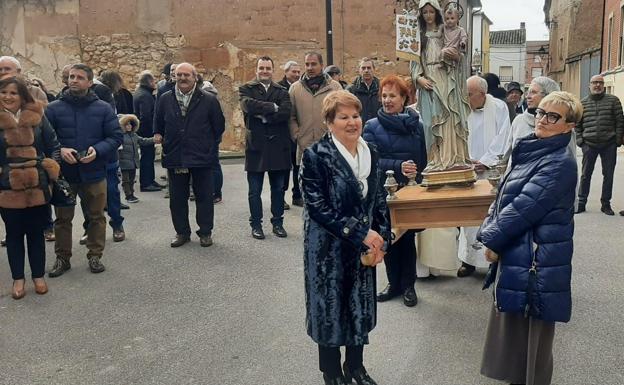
x=485 y=42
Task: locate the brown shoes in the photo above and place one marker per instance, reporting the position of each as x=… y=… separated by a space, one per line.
x=119 y=235
x=41 y=287
x=18 y=291
x=179 y=240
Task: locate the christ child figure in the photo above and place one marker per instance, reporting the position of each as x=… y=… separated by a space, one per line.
x=455 y=37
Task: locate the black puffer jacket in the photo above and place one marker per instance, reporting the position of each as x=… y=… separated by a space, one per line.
x=602 y=123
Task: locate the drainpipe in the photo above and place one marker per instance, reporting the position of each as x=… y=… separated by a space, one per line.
x=330 y=40
x=602 y=31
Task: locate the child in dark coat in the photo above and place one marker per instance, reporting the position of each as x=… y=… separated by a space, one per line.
x=129 y=154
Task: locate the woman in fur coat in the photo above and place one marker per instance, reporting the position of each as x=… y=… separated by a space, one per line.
x=346 y=234
x=27 y=142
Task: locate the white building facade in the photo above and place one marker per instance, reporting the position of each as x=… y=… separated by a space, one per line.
x=508 y=55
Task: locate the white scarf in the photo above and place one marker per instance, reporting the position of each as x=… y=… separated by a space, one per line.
x=360 y=163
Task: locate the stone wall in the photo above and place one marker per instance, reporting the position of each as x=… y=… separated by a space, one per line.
x=221 y=37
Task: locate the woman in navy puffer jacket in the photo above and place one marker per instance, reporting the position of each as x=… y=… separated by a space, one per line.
x=398 y=134
x=528 y=236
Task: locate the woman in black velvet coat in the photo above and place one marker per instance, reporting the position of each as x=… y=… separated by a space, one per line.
x=345 y=216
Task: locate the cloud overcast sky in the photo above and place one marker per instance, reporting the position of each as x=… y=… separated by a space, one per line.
x=507 y=14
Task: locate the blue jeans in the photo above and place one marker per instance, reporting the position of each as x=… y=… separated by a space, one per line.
x=147 y=174
x=276 y=180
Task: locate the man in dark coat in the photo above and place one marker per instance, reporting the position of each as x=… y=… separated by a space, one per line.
x=169 y=84
x=599 y=133
x=366 y=88
x=89 y=133
x=189 y=123
x=292 y=73
x=266 y=108
x=144 y=109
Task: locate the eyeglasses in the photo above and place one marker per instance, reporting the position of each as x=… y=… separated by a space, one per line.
x=551 y=117
x=594 y=83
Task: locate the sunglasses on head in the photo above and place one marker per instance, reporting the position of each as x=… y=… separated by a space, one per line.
x=551 y=117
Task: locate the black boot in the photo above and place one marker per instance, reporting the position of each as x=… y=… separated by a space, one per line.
x=388 y=293
x=606 y=208
x=409 y=297
x=340 y=380
x=465 y=270
x=359 y=375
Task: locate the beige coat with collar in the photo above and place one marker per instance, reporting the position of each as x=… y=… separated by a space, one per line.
x=306 y=122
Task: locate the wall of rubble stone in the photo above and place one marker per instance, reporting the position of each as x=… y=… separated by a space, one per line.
x=222 y=38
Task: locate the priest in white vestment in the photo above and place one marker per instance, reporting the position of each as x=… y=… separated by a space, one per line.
x=489 y=135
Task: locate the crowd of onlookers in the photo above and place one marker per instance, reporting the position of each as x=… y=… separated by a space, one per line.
x=95 y=135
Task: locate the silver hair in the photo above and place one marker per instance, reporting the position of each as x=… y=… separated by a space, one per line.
x=481 y=83
x=289 y=64
x=546 y=84
x=365 y=60
x=12 y=60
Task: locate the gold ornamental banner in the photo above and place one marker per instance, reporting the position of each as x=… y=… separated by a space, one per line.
x=407 y=35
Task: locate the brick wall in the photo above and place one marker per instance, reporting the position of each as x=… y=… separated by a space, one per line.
x=222 y=38
x=611 y=45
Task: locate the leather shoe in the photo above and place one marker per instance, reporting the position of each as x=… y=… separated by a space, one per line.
x=359 y=375
x=60 y=267
x=387 y=294
x=83 y=239
x=340 y=380
x=19 y=291
x=95 y=265
x=119 y=235
x=49 y=235
x=607 y=209
x=279 y=231
x=409 y=297
x=297 y=202
x=205 y=240
x=150 y=188
x=465 y=270
x=580 y=208
x=124 y=206
x=179 y=240
x=41 y=287
x=622 y=213
x=286 y=206
x=257 y=233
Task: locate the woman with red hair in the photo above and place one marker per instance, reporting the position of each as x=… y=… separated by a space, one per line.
x=398 y=134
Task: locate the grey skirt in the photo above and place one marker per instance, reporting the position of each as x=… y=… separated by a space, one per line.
x=518 y=350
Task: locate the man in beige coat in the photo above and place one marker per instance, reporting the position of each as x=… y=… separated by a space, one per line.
x=306 y=96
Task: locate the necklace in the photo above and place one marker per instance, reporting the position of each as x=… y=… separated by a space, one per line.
x=357 y=171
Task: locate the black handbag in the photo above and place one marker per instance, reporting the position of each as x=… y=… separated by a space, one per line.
x=61 y=194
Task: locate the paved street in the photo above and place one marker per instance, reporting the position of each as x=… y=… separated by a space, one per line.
x=233 y=314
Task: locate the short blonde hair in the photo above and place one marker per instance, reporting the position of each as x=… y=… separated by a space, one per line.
x=337 y=99
x=562 y=98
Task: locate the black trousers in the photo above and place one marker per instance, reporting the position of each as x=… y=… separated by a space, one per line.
x=29 y=222
x=179 y=191
x=401 y=262
x=329 y=359
x=147 y=174
x=296 y=191
x=608 y=156
x=255 y=180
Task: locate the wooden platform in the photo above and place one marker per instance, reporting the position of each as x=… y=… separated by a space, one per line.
x=417 y=207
